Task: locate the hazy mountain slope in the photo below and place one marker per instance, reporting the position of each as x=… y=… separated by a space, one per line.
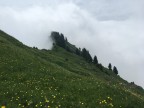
x=31 y=78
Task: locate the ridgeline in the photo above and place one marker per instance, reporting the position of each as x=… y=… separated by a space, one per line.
x=64 y=77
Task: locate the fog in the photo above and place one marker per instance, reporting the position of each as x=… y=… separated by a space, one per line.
x=110 y=29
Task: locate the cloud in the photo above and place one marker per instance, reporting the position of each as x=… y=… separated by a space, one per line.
x=113 y=30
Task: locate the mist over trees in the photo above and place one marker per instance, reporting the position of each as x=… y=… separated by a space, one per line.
x=58 y=39
x=61 y=41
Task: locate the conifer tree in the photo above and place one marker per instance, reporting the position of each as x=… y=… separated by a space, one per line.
x=59 y=39
x=86 y=55
x=110 y=66
x=77 y=51
x=115 y=70
x=95 y=60
x=62 y=41
x=89 y=57
x=66 y=41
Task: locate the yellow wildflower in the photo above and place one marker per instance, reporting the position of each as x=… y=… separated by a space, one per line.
x=3 y=106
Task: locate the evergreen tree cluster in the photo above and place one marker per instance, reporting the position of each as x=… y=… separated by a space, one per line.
x=61 y=41
x=114 y=69
x=86 y=55
x=78 y=51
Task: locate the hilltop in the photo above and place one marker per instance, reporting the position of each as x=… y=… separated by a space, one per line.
x=60 y=78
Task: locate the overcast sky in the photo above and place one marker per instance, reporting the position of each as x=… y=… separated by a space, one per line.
x=111 y=29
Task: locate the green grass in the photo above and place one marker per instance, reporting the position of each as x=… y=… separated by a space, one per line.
x=32 y=78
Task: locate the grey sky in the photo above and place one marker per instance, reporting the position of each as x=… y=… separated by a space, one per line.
x=111 y=29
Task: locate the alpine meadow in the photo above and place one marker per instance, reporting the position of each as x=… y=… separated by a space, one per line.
x=63 y=77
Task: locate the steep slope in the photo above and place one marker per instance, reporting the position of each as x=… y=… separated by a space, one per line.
x=33 y=78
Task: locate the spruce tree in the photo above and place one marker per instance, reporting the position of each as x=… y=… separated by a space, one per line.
x=115 y=70
x=66 y=41
x=110 y=66
x=95 y=60
x=86 y=55
x=89 y=58
x=77 y=51
x=58 y=39
x=62 y=41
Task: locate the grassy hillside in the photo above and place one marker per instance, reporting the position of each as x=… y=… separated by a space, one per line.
x=33 y=78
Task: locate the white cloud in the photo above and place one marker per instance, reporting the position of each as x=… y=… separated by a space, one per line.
x=113 y=30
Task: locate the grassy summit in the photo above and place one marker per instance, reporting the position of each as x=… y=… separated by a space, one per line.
x=57 y=78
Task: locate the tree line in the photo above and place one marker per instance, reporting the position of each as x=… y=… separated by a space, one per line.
x=61 y=41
